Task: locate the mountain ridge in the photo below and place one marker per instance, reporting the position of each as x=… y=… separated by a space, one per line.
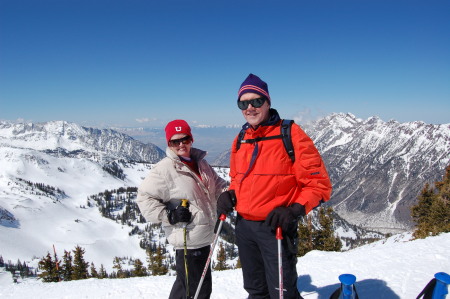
x=48 y=172
x=377 y=168
x=71 y=137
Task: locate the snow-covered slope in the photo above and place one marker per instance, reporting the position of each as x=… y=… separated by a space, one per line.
x=33 y=221
x=389 y=269
x=47 y=171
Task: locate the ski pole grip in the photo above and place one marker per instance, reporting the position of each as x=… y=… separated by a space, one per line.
x=184 y=203
x=279 y=233
x=222 y=217
x=442 y=281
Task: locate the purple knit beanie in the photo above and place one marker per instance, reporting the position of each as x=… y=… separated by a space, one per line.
x=255 y=85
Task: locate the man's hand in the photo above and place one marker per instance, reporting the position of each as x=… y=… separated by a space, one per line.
x=285 y=216
x=226 y=202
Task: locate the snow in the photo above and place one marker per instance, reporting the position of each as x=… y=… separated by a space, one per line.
x=392 y=268
x=33 y=223
x=42 y=222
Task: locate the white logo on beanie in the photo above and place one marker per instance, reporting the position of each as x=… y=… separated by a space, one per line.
x=178 y=129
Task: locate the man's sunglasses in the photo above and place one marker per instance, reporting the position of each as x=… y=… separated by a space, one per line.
x=185 y=140
x=256 y=103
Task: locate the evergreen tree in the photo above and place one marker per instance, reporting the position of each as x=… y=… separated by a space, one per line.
x=305 y=241
x=48 y=269
x=238 y=264
x=80 y=267
x=94 y=272
x=221 y=259
x=321 y=238
x=102 y=272
x=156 y=262
x=139 y=269
x=432 y=212
x=324 y=238
x=117 y=264
x=67 y=267
x=25 y=270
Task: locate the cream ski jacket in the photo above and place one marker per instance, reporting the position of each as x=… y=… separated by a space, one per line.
x=170 y=181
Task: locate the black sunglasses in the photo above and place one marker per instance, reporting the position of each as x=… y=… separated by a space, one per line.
x=185 y=140
x=256 y=103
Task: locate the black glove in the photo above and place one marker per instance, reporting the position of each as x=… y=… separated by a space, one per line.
x=226 y=202
x=180 y=214
x=285 y=216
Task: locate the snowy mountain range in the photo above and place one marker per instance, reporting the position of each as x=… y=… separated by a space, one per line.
x=48 y=171
x=60 y=138
x=49 y=174
x=377 y=168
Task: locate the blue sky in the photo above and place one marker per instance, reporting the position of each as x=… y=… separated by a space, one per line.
x=144 y=63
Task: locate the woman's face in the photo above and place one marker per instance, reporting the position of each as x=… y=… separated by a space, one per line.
x=181 y=145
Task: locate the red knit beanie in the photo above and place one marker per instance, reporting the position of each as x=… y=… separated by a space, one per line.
x=177 y=126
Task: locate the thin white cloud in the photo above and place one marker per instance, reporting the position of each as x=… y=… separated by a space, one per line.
x=145 y=120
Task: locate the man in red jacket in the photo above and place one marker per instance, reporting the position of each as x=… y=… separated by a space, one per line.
x=269 y=190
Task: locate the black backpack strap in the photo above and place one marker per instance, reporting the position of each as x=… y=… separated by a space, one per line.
x=286 y=125
x=240 y=137
x=427 y=292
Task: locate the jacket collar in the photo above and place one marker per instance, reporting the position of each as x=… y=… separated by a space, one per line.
x=196 y=154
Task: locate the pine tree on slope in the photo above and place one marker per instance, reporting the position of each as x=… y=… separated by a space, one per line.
x=432 y=212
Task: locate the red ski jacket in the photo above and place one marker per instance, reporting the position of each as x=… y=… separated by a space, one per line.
x=272 y=179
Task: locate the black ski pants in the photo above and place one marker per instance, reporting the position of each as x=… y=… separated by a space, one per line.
x=258 y=253
x=196 y=260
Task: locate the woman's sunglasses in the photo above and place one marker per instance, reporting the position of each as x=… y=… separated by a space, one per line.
x=185 y=140
x=256 y=103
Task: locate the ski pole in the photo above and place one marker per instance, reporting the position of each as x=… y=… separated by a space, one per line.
x=216 y=237
x=279 y=236
x=184 y=203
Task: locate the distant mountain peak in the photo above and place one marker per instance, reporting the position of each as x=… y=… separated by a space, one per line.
x=71 y=137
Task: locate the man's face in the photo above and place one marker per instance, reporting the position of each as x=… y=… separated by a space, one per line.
x=255 y=116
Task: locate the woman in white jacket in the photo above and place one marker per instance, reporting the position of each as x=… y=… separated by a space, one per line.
x=183 y=174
